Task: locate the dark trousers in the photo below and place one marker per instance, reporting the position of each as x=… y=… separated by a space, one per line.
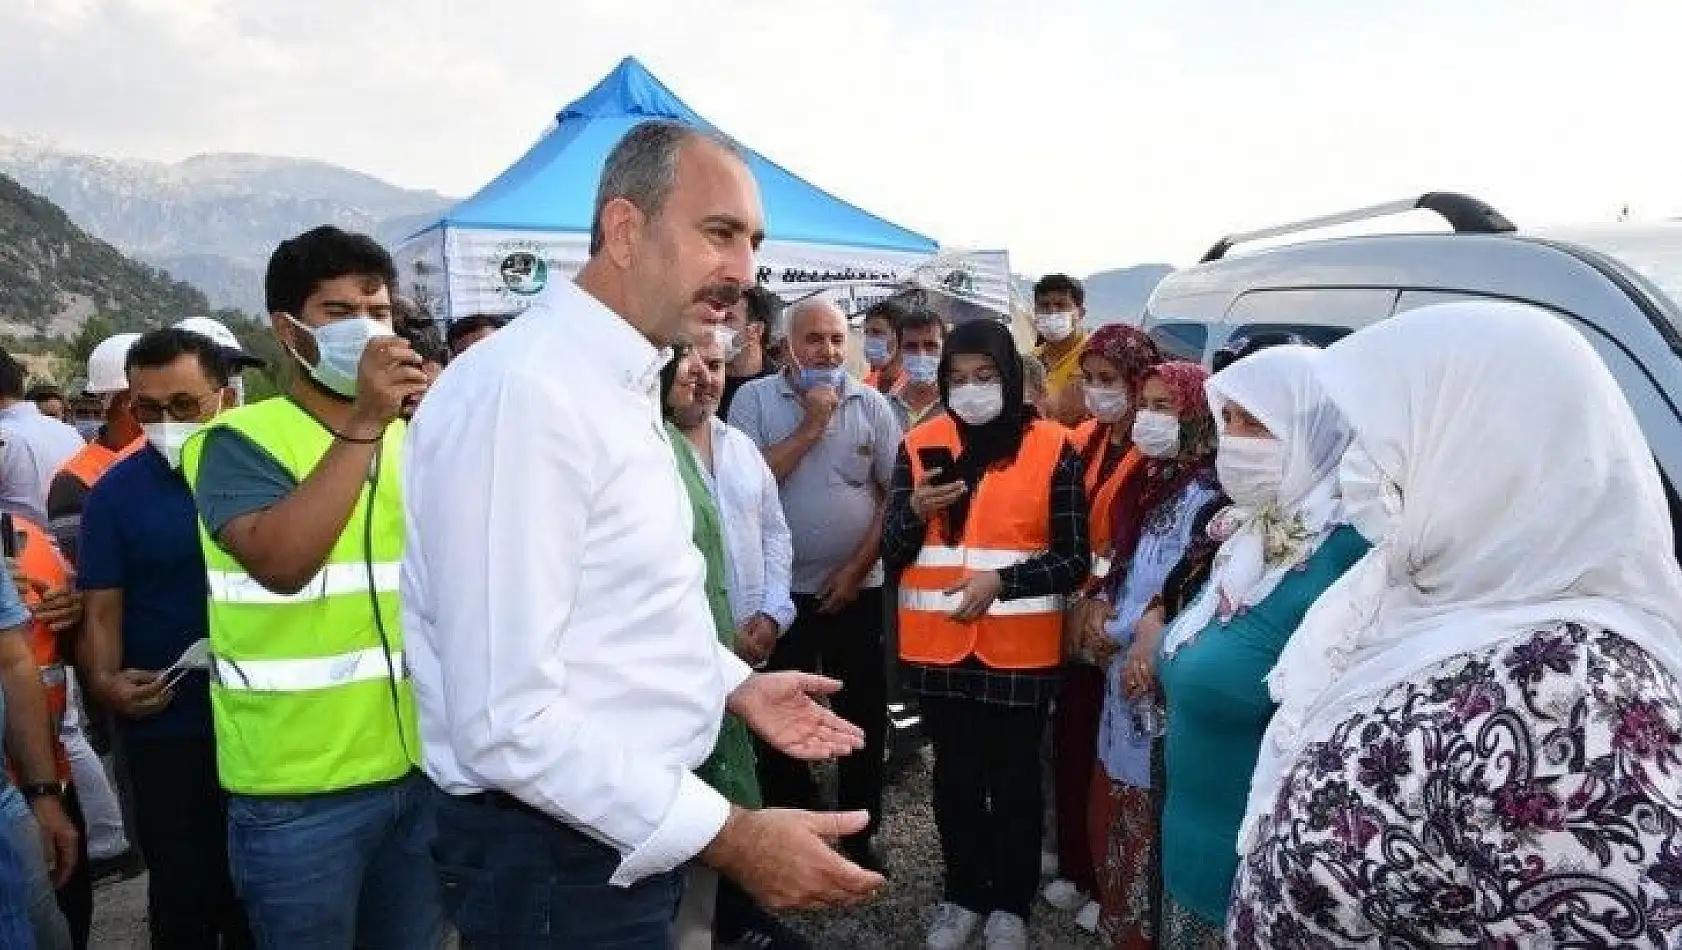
x=988 y=805
x=847 y=646
x=181 y=822
x=1074 y=751
x=515 y=879
x=75 y=898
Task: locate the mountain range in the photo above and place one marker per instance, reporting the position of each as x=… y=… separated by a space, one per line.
x=54 y=276
x=213 y=220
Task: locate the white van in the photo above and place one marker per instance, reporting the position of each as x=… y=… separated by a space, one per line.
x=1619 y=285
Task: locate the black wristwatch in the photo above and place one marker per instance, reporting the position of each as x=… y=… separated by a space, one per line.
x=36 y=790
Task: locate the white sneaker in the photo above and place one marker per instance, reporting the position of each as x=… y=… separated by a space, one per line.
x=1063 y=895
x=1006 y=932
x=952 y=927
x=1087 y=919
x=1048 y=864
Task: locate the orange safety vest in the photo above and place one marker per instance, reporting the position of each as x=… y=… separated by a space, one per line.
x=40 y=561
x=1101 y=496
x=93 y=459
x=1008 y=523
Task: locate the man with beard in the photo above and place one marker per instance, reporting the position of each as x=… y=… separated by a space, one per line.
x=830 y=440
x=568 y=669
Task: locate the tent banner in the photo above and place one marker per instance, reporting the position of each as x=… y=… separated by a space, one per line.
x=456 y=272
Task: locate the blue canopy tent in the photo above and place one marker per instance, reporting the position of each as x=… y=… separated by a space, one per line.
x=496 y=251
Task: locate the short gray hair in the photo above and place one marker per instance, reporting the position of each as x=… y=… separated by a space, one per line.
x=794 y=311
x=642 y=168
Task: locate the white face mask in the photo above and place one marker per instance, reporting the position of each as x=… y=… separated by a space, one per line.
x=1056 y=326
x=977 y=403
x=1372 y=504
x=1251 y=470
x=339 y=346
x=1106 y=403
x=168 y=438
x=1157 y=434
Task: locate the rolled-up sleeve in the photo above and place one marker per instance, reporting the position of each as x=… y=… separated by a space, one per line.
x=498 y=533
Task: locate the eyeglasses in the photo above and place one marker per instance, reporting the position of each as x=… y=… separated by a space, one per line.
x=181 y=407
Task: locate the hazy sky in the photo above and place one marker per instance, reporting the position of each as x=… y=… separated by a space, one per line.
x=1080 y=135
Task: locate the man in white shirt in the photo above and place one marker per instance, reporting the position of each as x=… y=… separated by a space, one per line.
x=33 y=446
x=566 y=669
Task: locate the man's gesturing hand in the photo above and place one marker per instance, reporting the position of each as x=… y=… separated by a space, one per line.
x=784 y=859
x=780 y=708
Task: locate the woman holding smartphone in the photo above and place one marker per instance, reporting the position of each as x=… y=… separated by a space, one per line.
x=987 y=527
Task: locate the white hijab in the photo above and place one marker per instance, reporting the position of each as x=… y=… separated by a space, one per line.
x=1519 y=492
x=1278 y=387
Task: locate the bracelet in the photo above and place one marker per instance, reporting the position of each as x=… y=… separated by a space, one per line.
x=36 y=790
x=376 y=440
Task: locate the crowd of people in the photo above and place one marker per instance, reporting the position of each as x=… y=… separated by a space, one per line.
x=533 y=630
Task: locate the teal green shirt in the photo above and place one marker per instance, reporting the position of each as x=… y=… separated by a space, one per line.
x=1218 y=708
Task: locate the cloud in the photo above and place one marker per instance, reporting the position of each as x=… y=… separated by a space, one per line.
x=1078 y=134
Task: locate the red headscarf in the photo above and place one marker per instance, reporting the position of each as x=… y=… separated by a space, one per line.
x=1159 y=480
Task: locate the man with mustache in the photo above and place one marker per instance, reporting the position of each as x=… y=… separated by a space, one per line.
x=831 y=442
x=568 y=673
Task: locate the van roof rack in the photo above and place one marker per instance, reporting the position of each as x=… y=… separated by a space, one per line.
x=1465 y=214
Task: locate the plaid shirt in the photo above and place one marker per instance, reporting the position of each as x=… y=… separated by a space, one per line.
x=1060 y=570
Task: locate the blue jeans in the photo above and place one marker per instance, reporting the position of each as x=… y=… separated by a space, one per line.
x=15 y=930
x=39 y=902
x=514 y=879
x=328 y=872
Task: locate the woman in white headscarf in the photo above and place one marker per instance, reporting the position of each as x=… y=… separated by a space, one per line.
x=1284 y=544
x=1479 y=740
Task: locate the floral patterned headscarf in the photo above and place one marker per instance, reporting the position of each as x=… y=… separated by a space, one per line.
x=1128 y=348
x=1185 y=387
x=1159 y=480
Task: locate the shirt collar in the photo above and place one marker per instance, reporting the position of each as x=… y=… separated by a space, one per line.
x=613 y=343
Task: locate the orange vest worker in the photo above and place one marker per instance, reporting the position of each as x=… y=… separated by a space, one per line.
x=94 y=459
x=1008 y=522
x=39 y=561
x=1101 y=496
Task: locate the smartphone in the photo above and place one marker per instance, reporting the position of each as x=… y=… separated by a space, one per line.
x=8 y=535
x=939 y=457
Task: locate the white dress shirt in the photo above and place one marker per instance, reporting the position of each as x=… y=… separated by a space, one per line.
x=554 y=613
x=759 y=548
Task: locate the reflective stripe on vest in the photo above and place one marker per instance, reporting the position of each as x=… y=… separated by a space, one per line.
x=236 y=587
x=316 y=673
x=1100 y=566
x=976 y=559
x=942 y=603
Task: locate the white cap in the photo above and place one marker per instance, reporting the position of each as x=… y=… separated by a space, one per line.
x=107 y=372
x=214 y=330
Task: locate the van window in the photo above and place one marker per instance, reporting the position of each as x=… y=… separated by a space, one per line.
x=1345 y=308
x=1414 y=299
x=1181 y=341
x=1321 y=336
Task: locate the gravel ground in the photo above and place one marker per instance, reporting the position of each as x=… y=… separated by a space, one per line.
x=911 y=848
x=895 y=922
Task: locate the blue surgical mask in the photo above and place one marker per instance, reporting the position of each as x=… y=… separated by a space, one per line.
x=339 y=346
x=832 y=377
x=876 y=351
x=922 y=368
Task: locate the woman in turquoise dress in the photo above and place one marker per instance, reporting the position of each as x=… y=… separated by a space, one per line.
x=1282 y=544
